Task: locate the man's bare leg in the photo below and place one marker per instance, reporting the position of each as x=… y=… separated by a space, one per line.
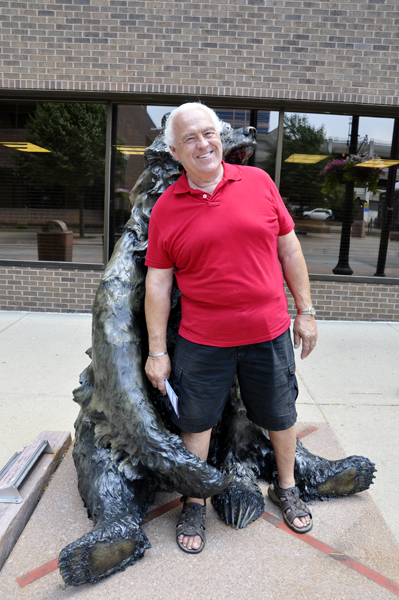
x=284 y=445
x=198 y=444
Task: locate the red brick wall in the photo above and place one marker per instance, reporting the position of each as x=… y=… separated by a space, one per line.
x=59 y=290
x=47 y=290
x=315 y=50
x=341 y=301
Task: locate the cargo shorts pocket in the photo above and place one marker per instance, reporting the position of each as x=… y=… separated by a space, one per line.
x=176 y=375
x=293 y=381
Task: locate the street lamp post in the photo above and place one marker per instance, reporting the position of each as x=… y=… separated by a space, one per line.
x=343 y=267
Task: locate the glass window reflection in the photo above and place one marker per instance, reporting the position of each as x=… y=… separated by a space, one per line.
x=316 y=167
x=52 y=165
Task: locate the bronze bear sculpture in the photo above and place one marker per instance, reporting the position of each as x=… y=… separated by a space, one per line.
x=126 y=446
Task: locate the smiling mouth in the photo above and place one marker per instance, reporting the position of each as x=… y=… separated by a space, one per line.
x=205 y=155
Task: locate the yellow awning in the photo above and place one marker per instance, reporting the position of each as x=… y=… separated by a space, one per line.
x=135 y=150
x=305 y=159
x=378 y=163
x=24 y=147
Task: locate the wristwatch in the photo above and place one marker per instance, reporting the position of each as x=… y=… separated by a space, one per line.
x=307 y=311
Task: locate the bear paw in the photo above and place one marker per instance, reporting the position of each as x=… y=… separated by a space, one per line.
x=109 y=548
x=241 y=502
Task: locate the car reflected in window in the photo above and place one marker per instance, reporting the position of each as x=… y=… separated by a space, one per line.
x=319 y=214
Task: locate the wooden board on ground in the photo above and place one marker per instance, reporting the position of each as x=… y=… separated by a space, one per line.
x=13 y=517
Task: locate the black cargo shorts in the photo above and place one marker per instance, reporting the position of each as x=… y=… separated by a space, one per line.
x=202 y=377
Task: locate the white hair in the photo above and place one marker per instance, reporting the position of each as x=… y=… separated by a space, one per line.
x=169 y=134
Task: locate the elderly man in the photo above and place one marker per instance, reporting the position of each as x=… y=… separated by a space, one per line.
x=226 y=234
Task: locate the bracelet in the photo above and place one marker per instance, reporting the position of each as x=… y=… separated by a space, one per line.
x=307 y=311
x=157 y=355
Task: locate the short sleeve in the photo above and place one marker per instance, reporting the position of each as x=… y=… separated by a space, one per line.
x=157 y=256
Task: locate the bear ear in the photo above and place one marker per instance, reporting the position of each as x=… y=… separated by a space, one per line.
x=164 y=119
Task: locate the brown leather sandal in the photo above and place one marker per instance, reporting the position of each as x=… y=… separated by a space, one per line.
x=291 y=506
x=191 y=523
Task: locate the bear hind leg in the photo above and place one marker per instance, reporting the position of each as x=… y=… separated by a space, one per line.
x=110 y=547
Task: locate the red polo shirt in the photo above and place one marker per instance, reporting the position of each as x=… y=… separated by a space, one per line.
x=224 y=250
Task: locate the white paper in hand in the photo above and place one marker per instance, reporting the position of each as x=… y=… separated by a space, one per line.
x=172 y=397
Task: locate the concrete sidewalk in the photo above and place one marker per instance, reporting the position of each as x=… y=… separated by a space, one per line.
x=348 y=389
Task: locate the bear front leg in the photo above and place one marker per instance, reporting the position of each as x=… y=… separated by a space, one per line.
x=235 y=451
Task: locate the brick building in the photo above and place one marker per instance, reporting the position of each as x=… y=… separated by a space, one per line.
x=266 y=58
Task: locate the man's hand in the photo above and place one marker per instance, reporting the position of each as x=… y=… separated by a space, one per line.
x=157 y=369
x=305 y=329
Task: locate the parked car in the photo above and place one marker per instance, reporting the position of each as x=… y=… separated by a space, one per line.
x=320 y=214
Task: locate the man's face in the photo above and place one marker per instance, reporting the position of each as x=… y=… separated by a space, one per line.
x=198 y=146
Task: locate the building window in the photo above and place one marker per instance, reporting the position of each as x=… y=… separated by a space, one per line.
x=52 y=168
x=315 y=146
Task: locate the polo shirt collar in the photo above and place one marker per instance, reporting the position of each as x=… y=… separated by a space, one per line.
x=231 y=173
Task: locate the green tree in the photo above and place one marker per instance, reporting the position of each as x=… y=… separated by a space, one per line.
x=300 y=183
x=75 y=136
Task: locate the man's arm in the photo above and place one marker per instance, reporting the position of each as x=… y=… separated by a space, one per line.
x=157 y=309
x=296 y=276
